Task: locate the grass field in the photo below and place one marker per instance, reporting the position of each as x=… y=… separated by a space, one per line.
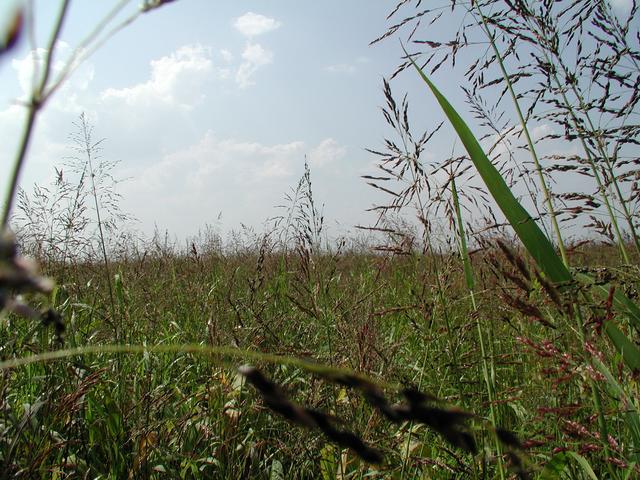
x=404 y=320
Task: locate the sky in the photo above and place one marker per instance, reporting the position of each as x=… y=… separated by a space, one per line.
x=211 y=108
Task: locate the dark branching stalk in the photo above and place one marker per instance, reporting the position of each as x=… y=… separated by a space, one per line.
x=20 y=276
x=450 y=423
x=277 y=401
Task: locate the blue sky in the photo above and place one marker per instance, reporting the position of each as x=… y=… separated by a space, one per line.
x=211 y=107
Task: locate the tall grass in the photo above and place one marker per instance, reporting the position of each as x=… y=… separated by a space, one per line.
x=541 y=25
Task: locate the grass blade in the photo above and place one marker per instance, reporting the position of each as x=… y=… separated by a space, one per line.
x=525 y=227
x=629 y=351
x=559 y=463
x=532 y=237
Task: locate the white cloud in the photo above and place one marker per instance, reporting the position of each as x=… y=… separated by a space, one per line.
x=254 y=57
x=226 y=55
x=348 y=68
x=257 y=55
x=237 y=177
x=540 y=131
x=72 y=88
x=327 y=152
x=24 y=66
x=48 y=147
x=224 y=73
x=252 y=24
x=343 y=68
x=175 y=80
x=511 y=139
x=49 y=141
x=213 y=160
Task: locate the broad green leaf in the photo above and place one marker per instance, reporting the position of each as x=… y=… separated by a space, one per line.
x=629 y=351
x=525 y=227
x=277 y=471
x=557 y=465
x=532 y=237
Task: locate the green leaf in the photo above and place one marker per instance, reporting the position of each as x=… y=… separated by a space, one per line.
x=327 y=462
x=629 y=351
x=557 y=465
x=532 y=237
x=462 y=237
x=277 y=471
x=620 y=301
x=525 y=227
x=615 y=389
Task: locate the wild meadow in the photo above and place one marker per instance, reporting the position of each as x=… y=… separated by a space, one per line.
x=495 y=343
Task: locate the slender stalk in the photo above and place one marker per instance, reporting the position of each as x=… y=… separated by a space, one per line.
x=592 y=164
x=223 y=352
x=562 y=89
x=595 y=394
x=85 y=49
x=88 y=148
x=69 y=227
x=598 y=137
x=607 y=162
x=468 y=273
x=525 y=129
x=35 y=104
x=17 y=166
x=407 y=450
x=41 y=91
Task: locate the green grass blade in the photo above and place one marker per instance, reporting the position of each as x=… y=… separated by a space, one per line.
x=532 y=237
x=629 y=351
x=632 y=415
x=525 y=227
x=621 y=302
x=556 y=467
x=462 y=239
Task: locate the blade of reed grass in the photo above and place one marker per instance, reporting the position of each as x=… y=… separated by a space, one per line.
x=559 y=463
x=629 y=351
x=525 y=227
x=631 y=411
x=223 y=354
x=464 y=251
x=525 y=129
x=468 y=273
x=532 y=237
